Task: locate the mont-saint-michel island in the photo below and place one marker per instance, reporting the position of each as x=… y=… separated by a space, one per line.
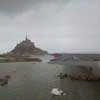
x=24 y=51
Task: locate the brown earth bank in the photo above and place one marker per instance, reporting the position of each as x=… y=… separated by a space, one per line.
x=84 y=76
x=86 y=73
x=20 y=59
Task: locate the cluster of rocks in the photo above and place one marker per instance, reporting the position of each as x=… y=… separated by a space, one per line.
x=81 y=73
x=62 y=75
x=4 y=80
x=85 y=73
x=84 y=76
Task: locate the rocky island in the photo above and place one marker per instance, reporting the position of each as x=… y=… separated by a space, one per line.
x=24 y=51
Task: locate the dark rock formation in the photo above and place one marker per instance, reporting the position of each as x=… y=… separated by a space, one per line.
x=62 y=75
x=84 y=73
x=4 y=80
x=84 y=76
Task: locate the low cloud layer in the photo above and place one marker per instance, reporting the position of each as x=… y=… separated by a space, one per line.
x=54 y=25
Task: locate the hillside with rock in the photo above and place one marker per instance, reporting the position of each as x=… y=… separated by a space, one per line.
x=26 y=48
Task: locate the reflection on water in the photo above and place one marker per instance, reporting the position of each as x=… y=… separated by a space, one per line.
x=35 y=81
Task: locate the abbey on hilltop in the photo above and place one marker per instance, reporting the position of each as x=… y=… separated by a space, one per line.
x=26 y=48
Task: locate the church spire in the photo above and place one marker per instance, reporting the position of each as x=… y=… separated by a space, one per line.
x=26 y=36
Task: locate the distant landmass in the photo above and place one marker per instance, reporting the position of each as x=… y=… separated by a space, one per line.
x=26 y=48
x=24 y=51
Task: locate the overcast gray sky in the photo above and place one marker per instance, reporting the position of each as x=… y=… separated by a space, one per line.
x=54 y=25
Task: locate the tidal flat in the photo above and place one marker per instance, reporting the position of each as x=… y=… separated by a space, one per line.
x=34 y=81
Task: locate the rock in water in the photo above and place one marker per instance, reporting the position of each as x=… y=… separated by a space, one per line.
x=4 y=83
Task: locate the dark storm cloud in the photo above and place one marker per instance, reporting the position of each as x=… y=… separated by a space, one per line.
x=18 y=6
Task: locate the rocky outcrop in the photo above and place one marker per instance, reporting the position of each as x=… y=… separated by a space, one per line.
x=26 y=48
x=84 y=76
x=84 y=73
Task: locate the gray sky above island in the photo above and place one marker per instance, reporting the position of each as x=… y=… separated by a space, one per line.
x=54 y=25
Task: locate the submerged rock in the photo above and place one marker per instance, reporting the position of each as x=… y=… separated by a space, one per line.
x=4 y=80
x=62 y=75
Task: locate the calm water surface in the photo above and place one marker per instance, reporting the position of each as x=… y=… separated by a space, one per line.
x=34 y=82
